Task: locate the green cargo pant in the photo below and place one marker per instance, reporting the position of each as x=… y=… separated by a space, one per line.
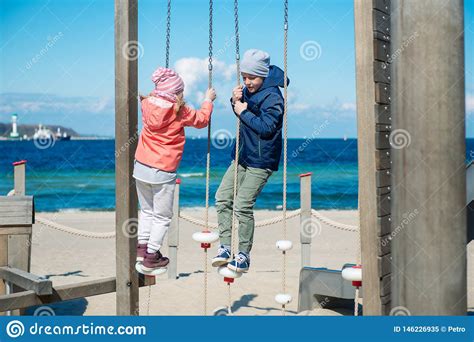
x=251 y=181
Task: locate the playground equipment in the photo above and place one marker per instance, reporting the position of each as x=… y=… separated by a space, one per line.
x=392 y=182
x=24 y=289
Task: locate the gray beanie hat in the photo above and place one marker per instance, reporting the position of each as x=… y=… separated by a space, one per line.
x=255 y=62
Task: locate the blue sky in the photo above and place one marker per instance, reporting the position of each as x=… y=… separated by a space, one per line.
x=57 y=59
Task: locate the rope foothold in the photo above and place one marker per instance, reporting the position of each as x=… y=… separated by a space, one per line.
x=228 y=274
x=284 y=245
x=205 y=238
x=353 y=274
x=283 y=298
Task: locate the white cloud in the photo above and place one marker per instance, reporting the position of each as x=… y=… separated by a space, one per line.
x=194 y=72
x=47 y=103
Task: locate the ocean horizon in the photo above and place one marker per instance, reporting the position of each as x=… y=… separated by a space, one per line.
x=79 y=175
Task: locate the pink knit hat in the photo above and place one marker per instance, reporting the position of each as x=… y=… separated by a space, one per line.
x=168 y=84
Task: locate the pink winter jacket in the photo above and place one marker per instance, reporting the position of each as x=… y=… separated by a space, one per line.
x=162 y=139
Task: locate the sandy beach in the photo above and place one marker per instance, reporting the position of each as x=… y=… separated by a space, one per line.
x=66 y=258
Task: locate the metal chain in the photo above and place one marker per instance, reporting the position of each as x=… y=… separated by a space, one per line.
x=237 y=135
x=208 y=159
x=285 y=140
x=168 y=34
x=210 y=42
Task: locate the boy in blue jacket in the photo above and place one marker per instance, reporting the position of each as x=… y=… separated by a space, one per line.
x=259 y=107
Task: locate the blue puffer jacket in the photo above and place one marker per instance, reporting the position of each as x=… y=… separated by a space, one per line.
x=261 y=124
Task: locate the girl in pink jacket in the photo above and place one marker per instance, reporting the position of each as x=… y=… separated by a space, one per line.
x=159 y=152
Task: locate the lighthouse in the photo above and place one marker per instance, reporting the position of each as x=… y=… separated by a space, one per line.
x=14 y=133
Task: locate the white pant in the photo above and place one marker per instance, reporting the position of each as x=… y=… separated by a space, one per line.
x=156 y=211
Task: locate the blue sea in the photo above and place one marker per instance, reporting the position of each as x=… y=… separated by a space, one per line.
x=79 y=175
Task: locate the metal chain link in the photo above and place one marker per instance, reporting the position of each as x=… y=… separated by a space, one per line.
x=237 y=135
x=285 y=139
x=168 y=34
x=208 y=159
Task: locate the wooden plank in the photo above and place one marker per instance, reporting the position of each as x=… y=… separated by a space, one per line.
x=382 y=159
x=381 y=72
x=382 y=93
x=173 y=235
x=383 y=205
x=126 y=136
x=381 y=22
x=382 y=114
x=382 y=141
x=367 y=118
x=385 y=300
x=19 y=181
x=384 y=225
x=384 y=264
x=382 y=5
x=384 y=244
x=15 y=230
x=16 y=210
x=383 y=178
x=383 y=128
x=432 y=282
x=305 y=219
x=381 y=50
x=382 y=36
x=383 y=191
x=385 y=285
x=3 y=262
x=60 y=293
x=26 y=280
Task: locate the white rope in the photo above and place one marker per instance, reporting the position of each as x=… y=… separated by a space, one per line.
x=48 y=223
x=333 y=224
x=202 y=223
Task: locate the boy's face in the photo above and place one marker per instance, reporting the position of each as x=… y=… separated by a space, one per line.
x=252 y=82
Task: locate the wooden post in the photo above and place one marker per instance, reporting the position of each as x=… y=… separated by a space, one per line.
x=306 y=226
x=429 y=172
x=127 y=51
x=173 y=236
x=3 y=262
x=372 y=38
x=19 y=245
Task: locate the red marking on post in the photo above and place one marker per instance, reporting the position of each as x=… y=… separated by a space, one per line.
x=228 y=280
x=19 y=162
x=205 y=245
x=357 y=283
x=305 y=174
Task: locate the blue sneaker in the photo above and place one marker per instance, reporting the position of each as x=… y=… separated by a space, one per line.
x=222 y=258
x=241 y=263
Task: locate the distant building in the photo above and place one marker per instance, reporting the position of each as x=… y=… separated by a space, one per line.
x=14 y=133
